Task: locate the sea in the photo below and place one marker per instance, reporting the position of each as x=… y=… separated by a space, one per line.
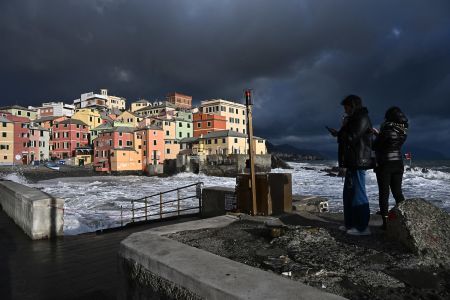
x=95 y=203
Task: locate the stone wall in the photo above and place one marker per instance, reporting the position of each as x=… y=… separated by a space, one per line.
x=37 y=213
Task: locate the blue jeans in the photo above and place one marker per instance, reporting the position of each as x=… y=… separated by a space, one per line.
x=356 y=203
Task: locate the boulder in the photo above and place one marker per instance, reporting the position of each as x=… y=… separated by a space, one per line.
x=421 y=227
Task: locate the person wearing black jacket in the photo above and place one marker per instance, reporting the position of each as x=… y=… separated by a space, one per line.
x=389 y=170
x=355 y=154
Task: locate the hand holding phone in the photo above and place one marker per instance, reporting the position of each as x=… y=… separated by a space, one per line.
x=332 y=131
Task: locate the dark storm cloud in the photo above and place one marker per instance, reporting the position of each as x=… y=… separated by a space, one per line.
x=301 y=57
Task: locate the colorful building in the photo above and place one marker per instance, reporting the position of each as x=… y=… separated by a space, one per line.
x=47 y=122
x=21 y=138
x=89 y=116
x=223 y=142
x=55 y=109
x=206 y=123
x=183 y=121
x=20 y=111
x=179 y=100
x=233 y=112
x=156 y=109
x=152 y=145
x=68 y=135
x=114 y=150
x=140 y=104
x=39 y=145
x=129 y=118
x=6 y=141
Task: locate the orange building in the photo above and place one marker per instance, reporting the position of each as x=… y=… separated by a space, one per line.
x=152 y=145
x=206 y=123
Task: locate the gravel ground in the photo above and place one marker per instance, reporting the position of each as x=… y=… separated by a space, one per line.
x=315 y=252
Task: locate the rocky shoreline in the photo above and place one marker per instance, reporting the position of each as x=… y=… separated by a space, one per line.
x=312 y=250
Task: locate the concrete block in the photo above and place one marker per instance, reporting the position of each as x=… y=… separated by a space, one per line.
x=155 y=267
x=217 y=201
x=39 y=214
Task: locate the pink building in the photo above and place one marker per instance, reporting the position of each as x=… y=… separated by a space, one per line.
x=107 y=142
x=21 y=138
x=152 y=145
x=67 y=135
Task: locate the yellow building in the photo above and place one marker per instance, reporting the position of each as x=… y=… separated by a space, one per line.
x=139 y=105
x=171 y=148
x=20 y=111
x=128 y=158
x=233 y=111
x=90 y=116
x=129 y=118
x=6 y=141
x=223 y=142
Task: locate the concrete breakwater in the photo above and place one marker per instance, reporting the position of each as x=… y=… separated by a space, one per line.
x=39 y=214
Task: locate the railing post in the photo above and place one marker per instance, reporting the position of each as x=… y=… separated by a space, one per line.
x=121 y=216
x=160 y=205
x=132 y=211
x=178 y=202
x=145 y=208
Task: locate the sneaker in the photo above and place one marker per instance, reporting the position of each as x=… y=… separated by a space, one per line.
x=343 y=228
x=354 y=231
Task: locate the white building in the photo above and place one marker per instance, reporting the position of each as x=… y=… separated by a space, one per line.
x=55 y=109
x=100 y=100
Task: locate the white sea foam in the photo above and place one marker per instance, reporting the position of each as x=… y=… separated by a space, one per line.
x=93 y=203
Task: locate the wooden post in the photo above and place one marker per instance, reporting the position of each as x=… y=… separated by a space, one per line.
x=249 y=104
x=160 y=205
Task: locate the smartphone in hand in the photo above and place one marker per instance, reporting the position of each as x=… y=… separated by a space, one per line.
x=333 y=131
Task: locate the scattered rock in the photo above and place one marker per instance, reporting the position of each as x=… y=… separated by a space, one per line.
x=279 y=163
x=423 y=228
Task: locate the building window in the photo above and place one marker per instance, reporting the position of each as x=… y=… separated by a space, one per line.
x=188 y=134
x=223 y=141
x=235 y=140
x=167 y=133
x=180 y=124
x=120 y=143
x=3 y=134
x=167 y=151
x=5 y=157
x=188 y=125
x=129 y=143
x=4 y=124
x=215 y=141
x=154 y=143
x=179 y=134
x=208 y=124
x=199 y=124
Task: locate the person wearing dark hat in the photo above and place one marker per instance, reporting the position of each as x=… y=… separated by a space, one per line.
x=389 y=170
x=355 y=155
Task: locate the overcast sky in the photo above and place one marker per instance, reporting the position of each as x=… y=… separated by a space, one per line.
x=300 y=57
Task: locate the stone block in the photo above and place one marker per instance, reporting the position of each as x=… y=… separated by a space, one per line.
x=421 y=227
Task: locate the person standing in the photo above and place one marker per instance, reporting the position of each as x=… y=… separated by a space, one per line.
x=387 y=145
x=355 y=155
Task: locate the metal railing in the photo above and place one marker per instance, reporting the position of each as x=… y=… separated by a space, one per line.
x=146 y=208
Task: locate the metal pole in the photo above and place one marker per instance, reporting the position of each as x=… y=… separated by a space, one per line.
x=249 y=104
x=132 y=211
x=121 y=216
x=146 y=209
x=178 y=202
x=160 y=205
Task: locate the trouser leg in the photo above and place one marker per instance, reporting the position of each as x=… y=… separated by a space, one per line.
x=347 y=199
x=396 y=186
x=360 y=203
x=383 y=179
